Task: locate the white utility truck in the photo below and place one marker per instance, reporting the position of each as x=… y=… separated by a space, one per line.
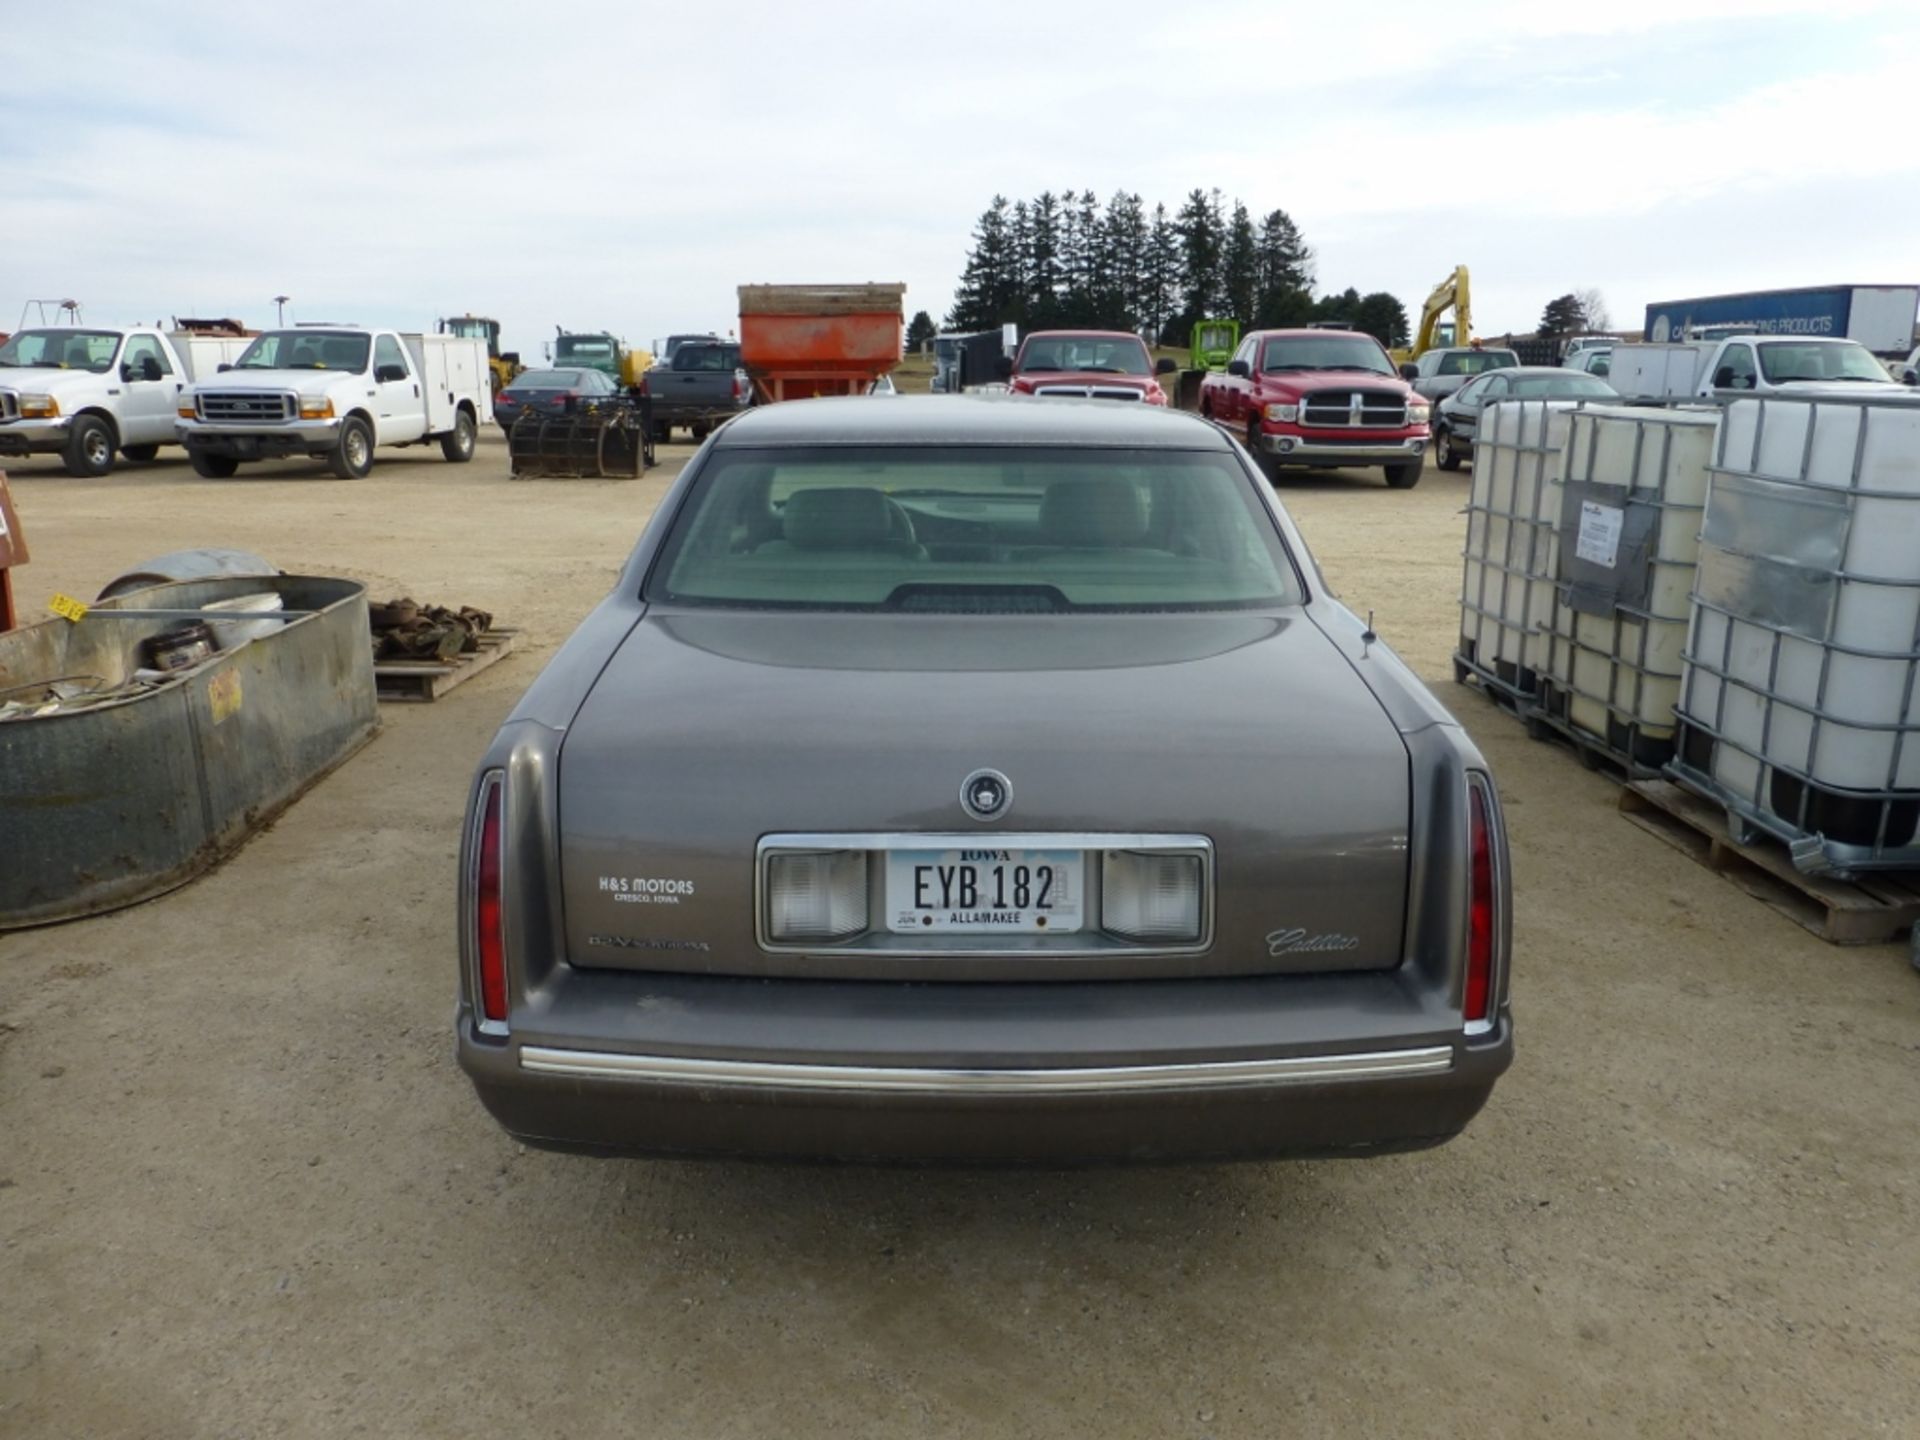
x=85 y=392
x=1742 y=366
x=334 y=393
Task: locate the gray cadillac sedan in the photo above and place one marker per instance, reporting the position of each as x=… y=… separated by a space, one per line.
x=967 y=779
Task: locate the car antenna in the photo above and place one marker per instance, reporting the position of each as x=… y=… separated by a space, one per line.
x=1367 y=636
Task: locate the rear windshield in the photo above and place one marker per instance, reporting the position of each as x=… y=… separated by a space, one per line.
x=974 y=531
x=1565 y=387
x=1325 y=352
x=547 y=380
x=707 y=357
x=1088 y=354
x=1476 y=362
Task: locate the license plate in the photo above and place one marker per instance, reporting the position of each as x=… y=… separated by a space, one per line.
x=987 y=891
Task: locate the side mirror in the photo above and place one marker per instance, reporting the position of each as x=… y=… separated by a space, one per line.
x=126 y=370
x=1409 y=371
x=1164 y=366
x=150 y=368
x=383 y=374
x=1003 y=367
x=224 y=366
x=1239 y=368
x=1910 y=376
x=1723 y=378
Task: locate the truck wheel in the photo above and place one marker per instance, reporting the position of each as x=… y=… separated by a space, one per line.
x=662 y=432
x=700 y=432
x=1403 y=477
x=1260 y=461
x=1445 y=455
x=214 y=467
x=140 y=454
x=458 y=446
x=89 y=451
x=352 y=455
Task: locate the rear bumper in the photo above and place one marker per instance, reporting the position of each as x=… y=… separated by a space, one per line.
x=681 y=412
x=1054 y=1074
x=254 y=442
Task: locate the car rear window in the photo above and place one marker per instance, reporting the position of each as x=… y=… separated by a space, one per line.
x=547 y=380
x=707 y=357
x=1565 y=387
x=974 y=530
x=1475 y=362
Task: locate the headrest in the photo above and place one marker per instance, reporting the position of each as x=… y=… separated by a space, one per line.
x=1102 y=514
x=338 y=353
x=837 y=519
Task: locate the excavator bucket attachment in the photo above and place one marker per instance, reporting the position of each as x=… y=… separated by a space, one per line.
x=601 y=441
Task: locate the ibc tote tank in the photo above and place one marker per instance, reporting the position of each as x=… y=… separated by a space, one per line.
x=1628 y=501
x=1799 y=698
x=1507 y=590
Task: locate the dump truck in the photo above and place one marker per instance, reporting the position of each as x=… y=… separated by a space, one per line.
x=599 y=350
x=798 y=341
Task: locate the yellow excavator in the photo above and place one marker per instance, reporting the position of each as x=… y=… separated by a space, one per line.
x=1450 y=294
x=479 y=327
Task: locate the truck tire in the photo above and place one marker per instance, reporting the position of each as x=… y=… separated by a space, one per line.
x=1444 y=455
x=700 y=432
x=662 y=432
x=1260 y=460
x=352 y=455
x=140 y=454
x=457 y=444
x=89 y=451
x=1403 y=476
x=214 y=467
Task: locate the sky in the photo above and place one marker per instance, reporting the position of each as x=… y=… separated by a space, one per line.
x=625 y=167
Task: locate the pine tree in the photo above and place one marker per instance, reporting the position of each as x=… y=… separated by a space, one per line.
x=1285 y=273
x=920 y=329
x=1019 y=271
x=1382 y=316
x=1160 y=295
x=983 y=282
x=1124 y=244
x=1199 y=226
x=1043 y=262
x=1563 y=316
x=1239 y=265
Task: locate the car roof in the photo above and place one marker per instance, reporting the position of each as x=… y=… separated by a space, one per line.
x=1512 y=370
x=1084 y=335
x=970 y=420
x=1480 y=350
x=1308 y=332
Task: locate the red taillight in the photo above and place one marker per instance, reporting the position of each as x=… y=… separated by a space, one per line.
x=644 y=389
x=736 y=384
x=1482 y=916
x=489 y=935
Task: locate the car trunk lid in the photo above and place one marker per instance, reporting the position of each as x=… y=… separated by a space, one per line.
x=710 y=730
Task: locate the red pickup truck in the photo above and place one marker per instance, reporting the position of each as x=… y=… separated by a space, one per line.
x=1098 y=364
x=1319 y=399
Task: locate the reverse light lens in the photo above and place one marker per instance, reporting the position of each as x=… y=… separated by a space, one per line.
x=1286 y=414
x=1482 y=914
x=489 y=931
x=1149 y=896
x=316 y=409
x=1417 y=414
x=816 y=894
x=39 y=407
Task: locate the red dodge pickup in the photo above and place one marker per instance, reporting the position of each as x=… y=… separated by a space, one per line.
x=1095 y=364
x=1319 y=399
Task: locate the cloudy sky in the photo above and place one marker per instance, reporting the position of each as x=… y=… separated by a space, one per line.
x=625 y=166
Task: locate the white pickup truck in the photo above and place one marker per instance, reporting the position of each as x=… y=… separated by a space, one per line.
x=333 y=393
x=84 y=393
x=1740 y=366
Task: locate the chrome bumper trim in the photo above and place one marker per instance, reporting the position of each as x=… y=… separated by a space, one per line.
x=871 y=1080
x=1312 y=450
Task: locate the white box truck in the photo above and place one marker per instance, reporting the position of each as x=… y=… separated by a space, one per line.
x=335 y=393
x=1742 y=366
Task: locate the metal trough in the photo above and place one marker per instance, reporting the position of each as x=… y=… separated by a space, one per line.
x=117 y=802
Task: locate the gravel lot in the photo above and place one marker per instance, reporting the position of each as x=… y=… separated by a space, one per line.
x=244 y=1190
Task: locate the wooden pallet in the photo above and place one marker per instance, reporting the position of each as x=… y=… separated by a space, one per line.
x=430 y=679
x=1871 y=909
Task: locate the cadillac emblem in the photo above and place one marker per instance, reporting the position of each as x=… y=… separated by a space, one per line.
x=986 y=794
